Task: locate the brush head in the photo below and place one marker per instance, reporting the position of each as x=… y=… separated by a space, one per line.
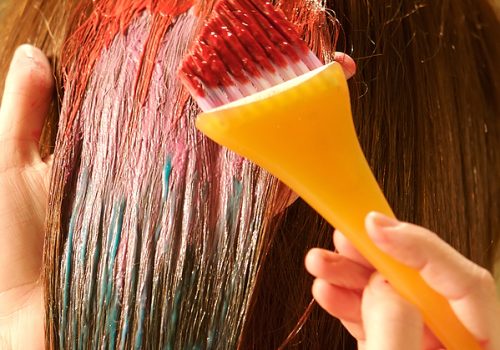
x=245 y=47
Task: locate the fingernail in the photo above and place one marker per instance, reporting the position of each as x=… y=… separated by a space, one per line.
x=29 y=52
x=328 y=257
x=25 y=52
x=347 y=63
x=383 y=221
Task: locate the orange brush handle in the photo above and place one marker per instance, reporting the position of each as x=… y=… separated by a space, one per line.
x=302 y=132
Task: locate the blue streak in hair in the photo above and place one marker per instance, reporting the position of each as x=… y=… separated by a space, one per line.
x=133 y=289
x=93 y=278
x=83 y=253
x=237 y=190
x=112 y=323
x=174 y=317
x=114 y=248
x=107 y=274
x=157 y=233
x=114 y=238
x=167 y=171
x=235 y=200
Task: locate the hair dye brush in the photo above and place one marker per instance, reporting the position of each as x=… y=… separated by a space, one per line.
x=267 y=97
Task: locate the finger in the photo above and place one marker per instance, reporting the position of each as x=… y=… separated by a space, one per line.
x=345 y=248
x=347 y=63
x=389 y=321
x=429 y=340
x=337 y=269
x=25 y=102
x=338 y=302
x=469 y=288
x=356 y=330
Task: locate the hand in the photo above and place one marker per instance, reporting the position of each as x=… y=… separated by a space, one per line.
x=347 y=287
x=24 y=179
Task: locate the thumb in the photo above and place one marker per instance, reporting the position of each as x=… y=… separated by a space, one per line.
x=389 y=321
x=26 y=99
x=347 y=63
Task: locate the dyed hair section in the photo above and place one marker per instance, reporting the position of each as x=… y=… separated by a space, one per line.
x=156 y=235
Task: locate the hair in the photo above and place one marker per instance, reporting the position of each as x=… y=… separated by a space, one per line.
x=157 y=237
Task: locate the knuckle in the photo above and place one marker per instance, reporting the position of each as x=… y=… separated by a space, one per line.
x=484 y=279
x=405 y=227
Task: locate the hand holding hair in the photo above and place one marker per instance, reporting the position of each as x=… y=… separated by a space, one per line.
x=347 y=287
x=23 y=195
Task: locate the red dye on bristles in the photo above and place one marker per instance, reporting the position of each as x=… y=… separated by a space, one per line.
x=254 y=39
x=264 y=20
x=242 y=39
x=283 y=25
x=111 y=17
x=223 y=19
x=247 y=17
x=217 y=42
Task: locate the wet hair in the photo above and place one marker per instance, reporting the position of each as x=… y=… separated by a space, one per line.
x=158 y=238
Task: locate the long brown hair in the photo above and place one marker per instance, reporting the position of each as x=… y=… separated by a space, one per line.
x=426 y=103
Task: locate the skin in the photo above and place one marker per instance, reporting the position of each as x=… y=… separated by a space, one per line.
x=347 y=287
x=23 y=196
